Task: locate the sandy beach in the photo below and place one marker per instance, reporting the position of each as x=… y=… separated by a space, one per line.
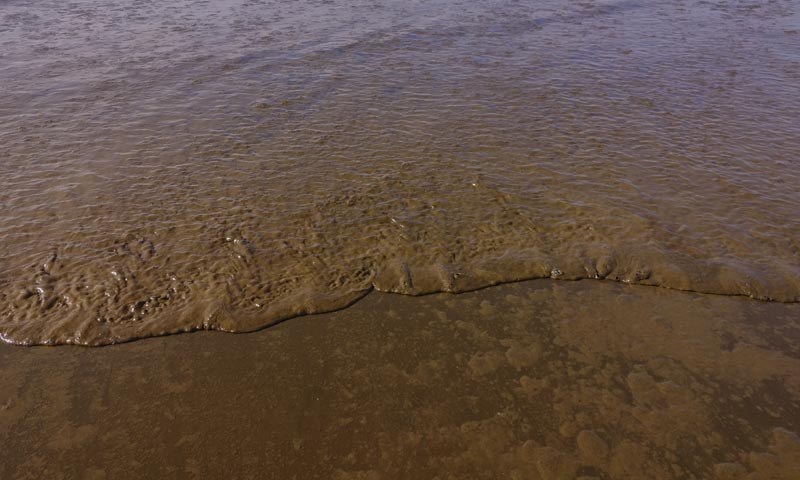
x=541 y=379
x=399 y=239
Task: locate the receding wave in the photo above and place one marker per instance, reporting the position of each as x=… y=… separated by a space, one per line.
x=186 y=169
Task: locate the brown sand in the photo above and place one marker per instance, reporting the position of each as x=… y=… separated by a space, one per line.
x=540 y=379
x=184 y=165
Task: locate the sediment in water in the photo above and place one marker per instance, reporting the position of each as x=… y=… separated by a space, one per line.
x=260 y=167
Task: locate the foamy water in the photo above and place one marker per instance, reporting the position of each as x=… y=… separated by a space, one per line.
x=173 y=166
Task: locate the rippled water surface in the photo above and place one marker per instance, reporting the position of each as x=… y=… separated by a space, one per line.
x=172 y=166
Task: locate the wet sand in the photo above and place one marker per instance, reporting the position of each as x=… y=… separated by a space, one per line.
x=540 y=379
x=191 y=165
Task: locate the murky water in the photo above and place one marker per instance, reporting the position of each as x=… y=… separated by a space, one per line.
x=172 y=166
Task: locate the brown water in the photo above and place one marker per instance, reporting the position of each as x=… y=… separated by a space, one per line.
x=172 y=166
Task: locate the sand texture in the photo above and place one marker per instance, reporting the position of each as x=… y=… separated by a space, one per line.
x=536 y=380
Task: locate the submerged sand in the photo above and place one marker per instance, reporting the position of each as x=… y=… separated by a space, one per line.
x=541 y=379
x=185 y=165
x=192 y=165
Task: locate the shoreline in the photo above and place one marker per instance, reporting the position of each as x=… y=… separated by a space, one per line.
x=535 y=379
x=358 y=296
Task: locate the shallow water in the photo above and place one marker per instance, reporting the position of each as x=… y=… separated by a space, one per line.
x=173 y=166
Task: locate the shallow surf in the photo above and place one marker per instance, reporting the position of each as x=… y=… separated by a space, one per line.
x=183 y=166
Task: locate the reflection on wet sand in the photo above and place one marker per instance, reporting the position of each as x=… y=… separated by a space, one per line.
x=535 y=380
